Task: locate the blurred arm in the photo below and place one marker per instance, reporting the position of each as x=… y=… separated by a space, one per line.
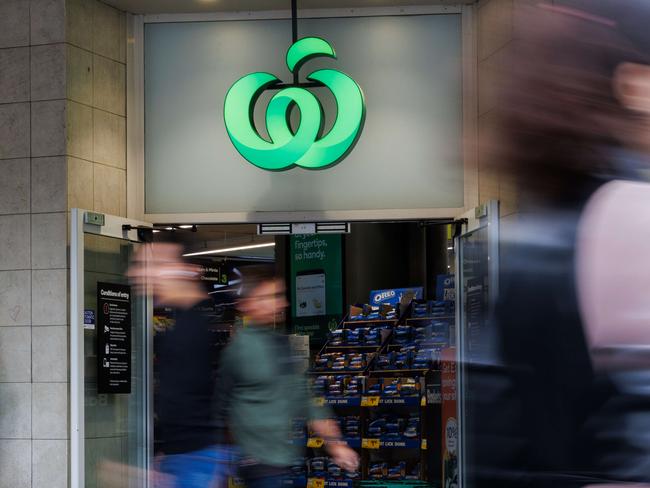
x=336 y=447
x=322 y=424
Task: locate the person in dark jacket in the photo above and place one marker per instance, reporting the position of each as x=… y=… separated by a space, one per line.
x=574 y=116
x=186 y=435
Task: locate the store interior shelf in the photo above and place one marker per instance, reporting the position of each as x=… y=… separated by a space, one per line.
x=352 y=401
x=411 y=401
x=354 y=443
x=389 y=397
x=321 y=483
x=397 y=443
x=330 y=348
x=330 y=372
x=397 y=483
x=317 y=442
x=299 y=482
x=354 y=323
x=399 y=372
x=396 y=347
x=441 y=317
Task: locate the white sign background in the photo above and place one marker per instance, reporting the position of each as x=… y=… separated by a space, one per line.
x=408 y=156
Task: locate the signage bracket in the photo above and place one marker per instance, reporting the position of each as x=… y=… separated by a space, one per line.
x=294 y=37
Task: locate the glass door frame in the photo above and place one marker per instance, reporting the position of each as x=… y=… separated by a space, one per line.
x=485 y=216
x=112 y=227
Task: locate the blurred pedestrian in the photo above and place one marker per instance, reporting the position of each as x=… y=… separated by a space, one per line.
x=262 y=391
x=573 y=134
x=186 y=435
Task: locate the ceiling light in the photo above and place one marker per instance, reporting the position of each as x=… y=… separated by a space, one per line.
x=169 y=228
x=185 y=226
x=155 y=231
x=230 y=249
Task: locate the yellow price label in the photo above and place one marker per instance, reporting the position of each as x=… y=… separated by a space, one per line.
x=423 y=401
x=424 y=445
x=315 y=442
x=315 y=483
x=370 y=443
x=319 y=401
x=370 y=401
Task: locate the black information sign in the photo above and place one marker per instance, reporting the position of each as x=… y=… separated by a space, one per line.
x=113 y=338
x=475 y=316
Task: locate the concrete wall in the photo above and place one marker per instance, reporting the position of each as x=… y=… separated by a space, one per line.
x=497 y=29
x=62 y=144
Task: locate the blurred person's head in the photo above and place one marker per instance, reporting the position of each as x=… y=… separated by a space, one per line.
x=262 y=294
x=161 y=268
x=576 y=86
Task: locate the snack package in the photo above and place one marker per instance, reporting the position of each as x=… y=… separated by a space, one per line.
x=396 y=471
x=377 y=471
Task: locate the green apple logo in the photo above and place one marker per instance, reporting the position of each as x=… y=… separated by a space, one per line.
x=303 y=147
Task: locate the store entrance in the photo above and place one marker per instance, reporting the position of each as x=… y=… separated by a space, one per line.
x=372 y=317
x=372 y=320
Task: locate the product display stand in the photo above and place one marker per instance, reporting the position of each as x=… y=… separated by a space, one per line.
x=342 y=390
x=382 y=379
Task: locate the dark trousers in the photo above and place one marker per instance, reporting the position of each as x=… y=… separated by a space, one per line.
x=257 y=475
x=265 y=482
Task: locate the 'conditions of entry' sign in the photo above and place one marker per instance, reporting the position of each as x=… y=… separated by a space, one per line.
x=113 y=338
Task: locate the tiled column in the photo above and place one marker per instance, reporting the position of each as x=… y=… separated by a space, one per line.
x=33 y=275
x=96 y=136
x=96 y=107
x=48 y=247
x=62 y=144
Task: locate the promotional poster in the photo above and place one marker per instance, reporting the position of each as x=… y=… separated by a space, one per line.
x=316 y=284
x=449 y=419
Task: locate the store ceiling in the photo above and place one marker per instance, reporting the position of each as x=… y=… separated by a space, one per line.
x=193 y=6
x=208 y=237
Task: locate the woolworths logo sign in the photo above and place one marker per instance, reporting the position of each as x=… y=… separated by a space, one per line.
x=305 y=146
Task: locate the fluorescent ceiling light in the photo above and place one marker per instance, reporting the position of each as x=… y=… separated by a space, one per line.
x=185 y=226
x=230 y=249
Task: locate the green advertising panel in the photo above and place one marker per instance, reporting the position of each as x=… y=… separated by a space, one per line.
x=316 y=284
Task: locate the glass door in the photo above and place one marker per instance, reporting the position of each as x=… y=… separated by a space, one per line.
x=110 y=349
x=477 y=265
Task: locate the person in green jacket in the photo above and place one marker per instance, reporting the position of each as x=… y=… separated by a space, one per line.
x=262 y=391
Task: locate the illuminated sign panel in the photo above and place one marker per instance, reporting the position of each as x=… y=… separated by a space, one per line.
x=407 y=158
